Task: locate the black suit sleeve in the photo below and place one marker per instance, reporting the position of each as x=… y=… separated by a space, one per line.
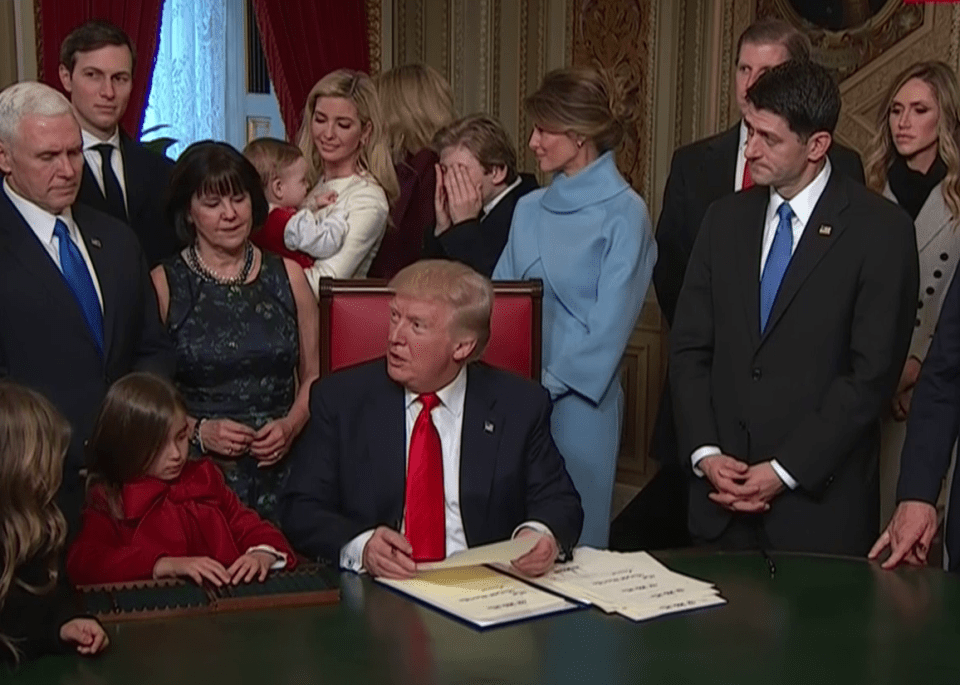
x=880 y=330
x=674 y=242
x=310 y=500
x=154 y=350
x=691 y=349
x=935 y=409
x=552 y=498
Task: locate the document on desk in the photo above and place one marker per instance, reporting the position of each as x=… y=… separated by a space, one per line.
x=480 y=595
x=497 y=552
x=634 y=585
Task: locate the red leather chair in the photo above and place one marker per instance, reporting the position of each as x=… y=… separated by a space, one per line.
x=355 y=320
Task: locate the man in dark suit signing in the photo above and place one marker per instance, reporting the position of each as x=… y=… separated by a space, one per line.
x=790 y=332
x=426 y=452
x=477 y=190
x=77 y=308
x=120 y=176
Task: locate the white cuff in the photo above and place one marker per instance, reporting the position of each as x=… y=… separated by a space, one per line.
x=783 y=475
x=281 y=561
x=533 y=525
x=702 y=453
x=351 y=554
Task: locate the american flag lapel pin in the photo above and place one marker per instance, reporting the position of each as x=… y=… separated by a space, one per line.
x=825 y=230
x=488 y=426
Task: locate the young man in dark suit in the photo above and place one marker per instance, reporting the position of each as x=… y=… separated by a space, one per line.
x=77 y=308
x=790 y=332
x=477 y=190
x=700 y=174
x=418 y=455
x=120 y=176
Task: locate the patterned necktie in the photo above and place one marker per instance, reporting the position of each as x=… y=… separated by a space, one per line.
x=424 y=503
x=77 y=276
x=747 y=178
x=777 y=260
x=111 y=186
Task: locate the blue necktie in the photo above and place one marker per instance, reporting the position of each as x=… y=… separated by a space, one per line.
x=77 y=275
x=777 y=260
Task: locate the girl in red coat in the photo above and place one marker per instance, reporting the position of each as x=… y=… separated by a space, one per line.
x=151 y=513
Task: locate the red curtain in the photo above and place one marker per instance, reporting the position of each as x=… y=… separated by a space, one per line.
x=141 y=21
x=306 y=39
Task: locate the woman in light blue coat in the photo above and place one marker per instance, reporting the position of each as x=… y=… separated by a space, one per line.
x=588 y=236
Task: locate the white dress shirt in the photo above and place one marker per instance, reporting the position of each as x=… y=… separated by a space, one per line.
x=741 y=158
x=802 y=204
x=41 y=222
x=95 y=161
x=487 y=208
x=448 y=418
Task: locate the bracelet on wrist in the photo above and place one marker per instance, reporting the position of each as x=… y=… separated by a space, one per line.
x=197 y=438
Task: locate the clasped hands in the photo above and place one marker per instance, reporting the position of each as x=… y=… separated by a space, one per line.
x=740 y=487
x=232 y=439
x=387 y=554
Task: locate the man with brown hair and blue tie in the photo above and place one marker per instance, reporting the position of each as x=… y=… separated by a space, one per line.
x=790 y=332
x=425 y=452
x=120 y=176
x=77 y=308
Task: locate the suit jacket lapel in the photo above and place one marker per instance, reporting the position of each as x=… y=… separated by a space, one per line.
x=135 y=196
x=934 y=217
x=749 y=226
x=99 y=250
x=387 y=432
x=26 y=248
x=90 y=192
x=722 y=163
x=479 y=442
x=812 y=246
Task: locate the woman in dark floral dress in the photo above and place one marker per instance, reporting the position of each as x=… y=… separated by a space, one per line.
x=244 y=323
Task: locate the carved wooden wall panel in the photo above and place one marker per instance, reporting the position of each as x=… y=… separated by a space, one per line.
x=618 y=35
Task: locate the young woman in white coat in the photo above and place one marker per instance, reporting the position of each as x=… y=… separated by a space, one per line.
x=914 y=160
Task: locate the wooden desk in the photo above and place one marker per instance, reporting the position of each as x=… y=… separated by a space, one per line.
x=820 y=620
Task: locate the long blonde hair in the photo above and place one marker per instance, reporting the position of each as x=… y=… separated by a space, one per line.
x=356 y=87
x=33 y=441
x=882 y=152
x=417 y=102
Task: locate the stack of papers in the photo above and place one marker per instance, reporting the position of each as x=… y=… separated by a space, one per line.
x=480 y=586
x=480 y=595
x=631 y=584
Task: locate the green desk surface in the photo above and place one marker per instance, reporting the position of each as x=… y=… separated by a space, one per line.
x=820 y=620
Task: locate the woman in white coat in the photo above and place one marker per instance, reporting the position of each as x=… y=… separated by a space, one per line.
x=915 y=161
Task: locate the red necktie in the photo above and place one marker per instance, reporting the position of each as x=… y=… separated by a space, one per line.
x=747 y=178
x=424 y=505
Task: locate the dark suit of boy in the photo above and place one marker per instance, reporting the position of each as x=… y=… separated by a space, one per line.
x=45 y=343
x=146 y=176
x=479 y=242
x=348 y=468
x=809 y=390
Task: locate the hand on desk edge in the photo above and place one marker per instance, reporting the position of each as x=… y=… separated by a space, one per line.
x=908 y=535
x=541 y=558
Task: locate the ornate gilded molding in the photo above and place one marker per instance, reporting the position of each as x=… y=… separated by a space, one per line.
x=374 y=36
x=495 y=11
x=850 y=49
x=523 y=122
